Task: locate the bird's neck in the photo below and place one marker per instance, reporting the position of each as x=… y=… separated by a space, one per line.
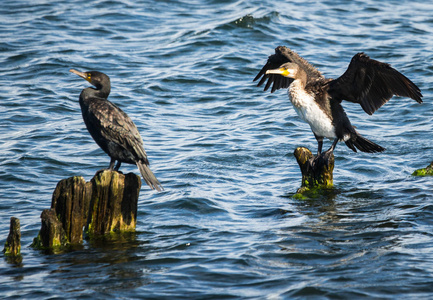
x=102 y=92
x=297 y=87
x=90 y=94
x=298 y=94
x=301 y=77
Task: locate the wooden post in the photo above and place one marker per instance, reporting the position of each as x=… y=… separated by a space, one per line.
x=114 y=202
x=52 y=234
x=107 y=203
x=71 y=203
x=13 y=241
x=316 y=171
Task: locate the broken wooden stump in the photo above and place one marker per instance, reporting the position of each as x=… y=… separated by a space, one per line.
x=113 y=206
x=71 y=203
x=13 y=241
x=317 y=171
x=105 y=204
x=52 y=233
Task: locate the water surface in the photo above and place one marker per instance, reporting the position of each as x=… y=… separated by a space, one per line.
x=226 y=225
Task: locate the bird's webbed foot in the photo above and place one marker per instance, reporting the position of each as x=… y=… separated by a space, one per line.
x=322 y=158
x=327 y=154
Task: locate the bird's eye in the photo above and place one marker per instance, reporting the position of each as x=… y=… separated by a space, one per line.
x=89 y=76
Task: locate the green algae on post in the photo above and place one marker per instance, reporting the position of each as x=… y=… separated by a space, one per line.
x=13 y=241
x=113 y=206
x=427 y=171
x=106 y=204
x=317 y=172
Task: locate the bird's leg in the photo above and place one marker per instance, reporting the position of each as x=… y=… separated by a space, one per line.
x=112 y=161
x=319 y=147
x=320 y=143
x=322 y=158
x=118 y=165
x=331 y=149
x=313 y=159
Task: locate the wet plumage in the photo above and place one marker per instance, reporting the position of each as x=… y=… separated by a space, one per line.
x=317 y=100
x=111 y=128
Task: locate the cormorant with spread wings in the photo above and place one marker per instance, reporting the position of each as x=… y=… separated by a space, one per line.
x=317 y=100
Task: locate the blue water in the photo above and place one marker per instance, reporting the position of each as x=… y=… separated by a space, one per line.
x=226 y=225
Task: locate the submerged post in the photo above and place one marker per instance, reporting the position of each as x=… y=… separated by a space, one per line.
x=316 y=171
x=13 y=241
x=427 y=171
x=105 y=204
x=52 y=234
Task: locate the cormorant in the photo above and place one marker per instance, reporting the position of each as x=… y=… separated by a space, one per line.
x=317 y=100
x=111 y=128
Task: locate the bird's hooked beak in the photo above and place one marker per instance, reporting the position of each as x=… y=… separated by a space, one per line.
x=280 y=71
x=83 y=75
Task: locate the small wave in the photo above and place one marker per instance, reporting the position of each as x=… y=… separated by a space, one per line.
x=248 y=21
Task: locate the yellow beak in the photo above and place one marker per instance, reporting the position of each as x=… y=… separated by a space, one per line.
x=280 y=71
x=81 y=74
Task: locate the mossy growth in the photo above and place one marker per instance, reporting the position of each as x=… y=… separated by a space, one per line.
x=315 y=192
x=55 y=242
x=52 y=235
x=428 y=171
x=13 y=241
x=114 y=203
x=57 y=245
x=9 y=250
x=317 y=172
x=106 y=204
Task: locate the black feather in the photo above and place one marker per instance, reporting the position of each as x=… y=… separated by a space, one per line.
x=371 y=84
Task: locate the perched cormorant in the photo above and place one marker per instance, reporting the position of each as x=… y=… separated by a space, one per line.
x=317 y=100
x=111 y=128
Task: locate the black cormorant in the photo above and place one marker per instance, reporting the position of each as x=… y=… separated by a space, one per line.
x=317 y=100
x=111 y=128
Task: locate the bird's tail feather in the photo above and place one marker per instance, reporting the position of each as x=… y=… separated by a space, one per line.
x=149 y=177
x=364 y=145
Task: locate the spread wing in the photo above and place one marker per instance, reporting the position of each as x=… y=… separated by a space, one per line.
x=372 y=83
x=116 y=126
x=283 y=55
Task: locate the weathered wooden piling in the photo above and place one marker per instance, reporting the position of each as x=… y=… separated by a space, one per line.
x=52 y=234
x=105 y=204
x=13 y=241
x=113 y=206
x=316 y=171
x=71 y=204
